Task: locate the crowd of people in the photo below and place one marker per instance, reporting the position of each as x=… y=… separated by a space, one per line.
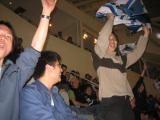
x=57 y=94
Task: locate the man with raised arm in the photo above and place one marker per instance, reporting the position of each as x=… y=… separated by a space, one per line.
x=115 y=93
x=14 y=76
x=41 y=99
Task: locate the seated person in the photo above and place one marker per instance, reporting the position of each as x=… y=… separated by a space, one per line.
x=75 y=93
x=89 y=96
x=41 y=100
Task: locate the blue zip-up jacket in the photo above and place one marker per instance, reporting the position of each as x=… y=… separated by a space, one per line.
x=12 y=79
x=35 y=104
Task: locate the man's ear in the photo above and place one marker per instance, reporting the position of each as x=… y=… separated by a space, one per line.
x=48 y=67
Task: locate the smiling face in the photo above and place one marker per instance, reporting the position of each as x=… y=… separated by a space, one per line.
x=112 y=43
x=6 y=40
x=53 y=73
x=57 y=70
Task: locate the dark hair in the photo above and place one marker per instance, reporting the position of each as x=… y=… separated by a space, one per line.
x=16 y=51
x=64 y=66
x=47 y=57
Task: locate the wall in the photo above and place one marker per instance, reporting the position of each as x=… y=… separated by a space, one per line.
x=73 y=56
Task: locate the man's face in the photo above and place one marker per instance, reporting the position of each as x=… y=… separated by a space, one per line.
x=56 y=71
x=112 y=43
x=6 y=40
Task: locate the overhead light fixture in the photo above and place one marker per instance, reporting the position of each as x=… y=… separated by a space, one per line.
x=158 y=35
x=95 y=40
x=10 y=3
x=85 y=36
x=50 y=25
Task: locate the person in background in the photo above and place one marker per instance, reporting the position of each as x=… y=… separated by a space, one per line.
x=140 y=96
x=14 y=76
x=89 y=95
x=75 y=93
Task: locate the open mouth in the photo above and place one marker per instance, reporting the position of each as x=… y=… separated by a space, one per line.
x=1 y=45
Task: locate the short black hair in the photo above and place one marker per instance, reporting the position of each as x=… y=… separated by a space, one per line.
x=47 y=57
x=64 y=66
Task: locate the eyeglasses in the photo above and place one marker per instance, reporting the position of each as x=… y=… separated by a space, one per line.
x=6 y=36
x=58 y=64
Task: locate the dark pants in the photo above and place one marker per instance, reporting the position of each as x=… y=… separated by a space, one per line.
x=113 y=108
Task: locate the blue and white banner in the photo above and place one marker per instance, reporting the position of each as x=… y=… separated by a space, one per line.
x=127 y=48
x=132 y=13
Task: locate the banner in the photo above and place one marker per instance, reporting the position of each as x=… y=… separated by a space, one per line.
x=132 y=13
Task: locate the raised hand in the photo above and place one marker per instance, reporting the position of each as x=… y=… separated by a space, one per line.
x=146 y=31
x=109 y=15
x=48 y=6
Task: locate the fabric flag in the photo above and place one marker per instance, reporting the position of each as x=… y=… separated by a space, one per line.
x=132 y=13
x=127 y=48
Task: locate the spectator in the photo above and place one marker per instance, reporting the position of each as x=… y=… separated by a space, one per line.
x=89 y=96
x=60 y=35
x=41 y=100
x=69 y=39
x=111 y=68
x=63 y=76
x=140 y=96
x=88 y=76
x=14 y=76
x=75 y=93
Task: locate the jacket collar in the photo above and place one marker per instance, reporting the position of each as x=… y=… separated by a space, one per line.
x=4 y=67
x=43 y=88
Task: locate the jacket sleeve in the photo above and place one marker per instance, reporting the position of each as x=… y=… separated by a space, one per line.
x=137 y=52
x=102 y=42
x=31 y=107
x=26 y=64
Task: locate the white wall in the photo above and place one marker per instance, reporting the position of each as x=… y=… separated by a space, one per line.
x=75 y=57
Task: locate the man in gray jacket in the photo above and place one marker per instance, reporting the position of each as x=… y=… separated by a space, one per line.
x=14 y=76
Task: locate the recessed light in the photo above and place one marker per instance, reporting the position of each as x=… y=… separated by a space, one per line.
x=10 y=3
x=158 y=35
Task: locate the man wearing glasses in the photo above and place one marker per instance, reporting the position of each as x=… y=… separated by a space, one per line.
x=41 y=100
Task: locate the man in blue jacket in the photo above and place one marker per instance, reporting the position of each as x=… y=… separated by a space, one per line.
x=41 y=100
x=14 y=76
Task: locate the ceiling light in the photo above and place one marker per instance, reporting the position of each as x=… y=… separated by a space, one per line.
x=10 y=3
x=95 y=40
x=158 y=35
x=85 y=36
x=50 y=25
